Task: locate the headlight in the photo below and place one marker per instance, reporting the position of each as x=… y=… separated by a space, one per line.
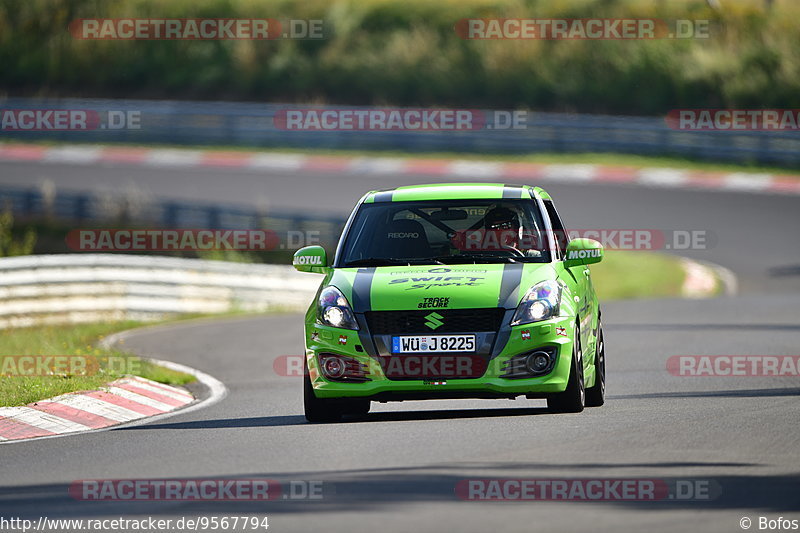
x=540 y=303
x=334 y=310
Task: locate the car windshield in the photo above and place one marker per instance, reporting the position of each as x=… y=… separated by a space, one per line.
x=445 y=232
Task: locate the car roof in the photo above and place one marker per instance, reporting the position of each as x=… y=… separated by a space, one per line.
x=455 y=191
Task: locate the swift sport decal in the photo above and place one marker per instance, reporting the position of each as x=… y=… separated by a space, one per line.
x=428 y=282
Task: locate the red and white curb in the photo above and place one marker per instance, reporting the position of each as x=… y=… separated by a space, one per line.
x=128 y=401
x=444 y=168
x=706 y=280
x=123 y=400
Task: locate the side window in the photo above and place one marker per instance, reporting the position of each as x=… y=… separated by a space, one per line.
x=560 y=234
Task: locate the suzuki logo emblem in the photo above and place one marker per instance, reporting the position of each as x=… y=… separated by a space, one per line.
x=434 y=320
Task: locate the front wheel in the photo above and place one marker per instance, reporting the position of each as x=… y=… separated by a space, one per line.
x=596 y=394
x=357 y=407
x=573 y=399
x=318 y=410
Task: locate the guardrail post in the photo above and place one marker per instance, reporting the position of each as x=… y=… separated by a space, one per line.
x=29 y=202
x=170 y=215
x=81 y=211
x=213 y=216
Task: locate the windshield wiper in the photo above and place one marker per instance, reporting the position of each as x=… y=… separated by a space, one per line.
x=390 y=261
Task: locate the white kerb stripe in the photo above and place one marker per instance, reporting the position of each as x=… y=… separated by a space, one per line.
x=99 y=408
x=173 y=157
x=376 y=165
x=474 y=169
x=138 y=398
x=741 y=181
x=279 y=161
x=569 y=172
x=72 y=154
x=662 y=177
x=146 y=386
x=161 y=386
x=44 y=421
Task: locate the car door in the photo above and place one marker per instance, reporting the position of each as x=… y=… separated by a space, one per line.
x=579 y=275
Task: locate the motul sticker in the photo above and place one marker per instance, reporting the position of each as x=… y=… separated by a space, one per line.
x=583 y=254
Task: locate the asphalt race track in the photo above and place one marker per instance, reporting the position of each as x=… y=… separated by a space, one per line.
x=397 y=468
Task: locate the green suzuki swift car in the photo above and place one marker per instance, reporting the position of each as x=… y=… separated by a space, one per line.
x=450 y=291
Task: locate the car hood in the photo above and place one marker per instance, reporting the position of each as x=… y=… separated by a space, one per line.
x=425 y=287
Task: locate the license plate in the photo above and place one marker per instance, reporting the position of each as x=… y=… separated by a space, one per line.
x=433 y=343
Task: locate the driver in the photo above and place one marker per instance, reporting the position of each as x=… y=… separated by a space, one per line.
x=505 y=224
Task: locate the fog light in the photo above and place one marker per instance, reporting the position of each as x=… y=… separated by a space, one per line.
x=333 y=367
x=537 y=362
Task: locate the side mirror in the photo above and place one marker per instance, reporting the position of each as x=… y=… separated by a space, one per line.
x=311 y=259
x=583 y=252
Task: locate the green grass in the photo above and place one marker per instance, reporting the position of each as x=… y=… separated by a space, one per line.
x=635 y=274
x=72 y=340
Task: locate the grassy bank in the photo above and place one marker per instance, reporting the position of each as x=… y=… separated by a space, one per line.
x=408 y=53
x=633 y=275
x=78 y=341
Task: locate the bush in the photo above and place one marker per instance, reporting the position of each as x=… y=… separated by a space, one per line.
x=406 y=52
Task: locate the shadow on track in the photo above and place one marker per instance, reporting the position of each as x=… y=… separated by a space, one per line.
x=385 y=416
x=741 y=393
x=744 y=328
x=377 y=490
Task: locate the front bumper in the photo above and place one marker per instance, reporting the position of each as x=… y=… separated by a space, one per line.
x=509 y=342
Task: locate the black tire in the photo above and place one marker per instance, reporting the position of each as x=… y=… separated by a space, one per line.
x=573 y=399
x=596 y=394
x=356 y=407
x=319 y=410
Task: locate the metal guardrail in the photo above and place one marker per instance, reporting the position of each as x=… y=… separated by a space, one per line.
x=252 y=124
x=72 y=207
x=49 y=289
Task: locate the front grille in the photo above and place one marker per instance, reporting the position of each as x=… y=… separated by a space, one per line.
x=453 y=321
